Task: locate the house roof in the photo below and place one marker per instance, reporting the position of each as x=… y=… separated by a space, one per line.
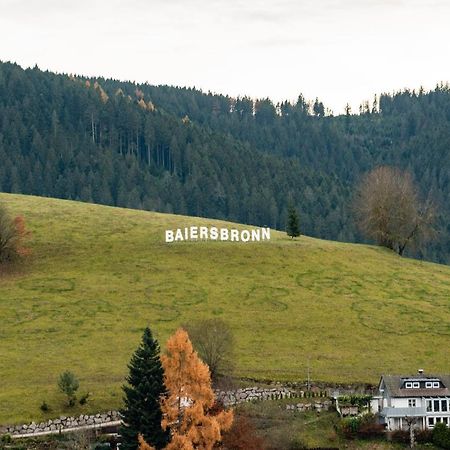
x=393 y=385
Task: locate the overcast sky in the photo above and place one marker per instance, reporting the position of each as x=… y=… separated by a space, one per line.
x=338 y=50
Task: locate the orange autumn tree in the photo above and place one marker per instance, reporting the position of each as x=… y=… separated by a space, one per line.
x=187 y=406
x=143 y=445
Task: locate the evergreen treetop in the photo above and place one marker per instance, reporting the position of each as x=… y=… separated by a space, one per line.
x=292 y=223
x=142 y=412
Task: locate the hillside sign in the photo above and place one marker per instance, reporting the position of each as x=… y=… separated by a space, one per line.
x=217 y=234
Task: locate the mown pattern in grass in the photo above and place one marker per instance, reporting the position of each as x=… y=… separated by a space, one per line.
x=265 y=298
x=48 y=285
x=402 y=318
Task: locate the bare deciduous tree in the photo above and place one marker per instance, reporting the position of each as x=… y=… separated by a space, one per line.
x=12 y=237
x=389 y=210
x=411 y=422
x=213 y=340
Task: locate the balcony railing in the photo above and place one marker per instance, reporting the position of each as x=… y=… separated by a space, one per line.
x=404 y=412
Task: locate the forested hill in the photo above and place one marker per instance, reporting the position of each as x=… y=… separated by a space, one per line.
x=180 y=150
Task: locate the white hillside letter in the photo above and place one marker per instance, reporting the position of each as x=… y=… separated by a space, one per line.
x=213 y=233
x=194 y=233
x=245 y=235
x=224 y=234
x=265 y=234
x=256 y=235
x=203 y=232
x=169 y=236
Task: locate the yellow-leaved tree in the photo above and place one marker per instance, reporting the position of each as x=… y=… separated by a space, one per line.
x=187 y=408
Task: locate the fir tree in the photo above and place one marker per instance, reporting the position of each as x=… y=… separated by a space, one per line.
x=292 y=225
x=142 y=412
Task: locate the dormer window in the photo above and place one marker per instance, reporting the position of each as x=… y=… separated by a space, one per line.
x=408 y=385
x=416 y=385
x=436 y=384
x=428 y=384
x=432 y=384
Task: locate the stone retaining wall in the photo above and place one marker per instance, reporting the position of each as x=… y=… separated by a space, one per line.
x=318 y=406
x=229 y=398
x=62 y=423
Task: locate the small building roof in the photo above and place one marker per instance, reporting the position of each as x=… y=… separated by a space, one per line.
x=393 y=384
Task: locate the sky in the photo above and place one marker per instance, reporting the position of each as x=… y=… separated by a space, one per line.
x=337 y=50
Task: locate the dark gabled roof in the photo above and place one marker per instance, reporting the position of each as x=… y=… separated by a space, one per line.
x=393 y=384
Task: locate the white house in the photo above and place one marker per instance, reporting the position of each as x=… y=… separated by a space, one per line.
x=422 y=398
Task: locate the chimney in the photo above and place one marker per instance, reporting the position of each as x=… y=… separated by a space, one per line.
x=420 y=371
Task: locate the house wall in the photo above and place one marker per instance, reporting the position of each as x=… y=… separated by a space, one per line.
x=405 y=402
x=437 y=410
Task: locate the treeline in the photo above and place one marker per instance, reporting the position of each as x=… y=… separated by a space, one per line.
x=65 y=137
x=180 y=150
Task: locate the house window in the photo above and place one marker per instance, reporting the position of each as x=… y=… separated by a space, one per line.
x=408 y=385
x=444 y=406
x=416 y=385
x=430 y=421
x=436 y=384
x=429 y=406
x=436 y=406
x=428 y=384
x=411 y=402
x=445 y=420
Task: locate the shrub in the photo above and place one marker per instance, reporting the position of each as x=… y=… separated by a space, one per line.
x=102 y=446
x=44 y=407
x=363 y=427
x=441 y=435
x=242 y=436
x=83 y=400
x=6 y=439
x=349 y=426
x=424 y=436
x=371 y=431
x=68 y=384
x=400 y=436
x=361 y=401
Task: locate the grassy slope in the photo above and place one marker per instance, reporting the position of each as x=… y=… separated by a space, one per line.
x=100 y=274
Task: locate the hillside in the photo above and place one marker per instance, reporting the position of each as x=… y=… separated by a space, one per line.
x=182 y=151
x=100 y=274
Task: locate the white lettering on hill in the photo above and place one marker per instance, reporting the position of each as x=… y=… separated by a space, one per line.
x=217 y=234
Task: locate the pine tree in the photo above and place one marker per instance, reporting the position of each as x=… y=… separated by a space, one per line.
x=142 y=412
x=293 y=223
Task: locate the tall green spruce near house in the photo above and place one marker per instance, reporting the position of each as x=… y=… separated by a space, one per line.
x=141 y=413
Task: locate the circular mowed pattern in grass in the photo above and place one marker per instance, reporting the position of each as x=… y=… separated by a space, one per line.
x=265 y=298
x=50 y=285
x=179 y=294
x=162 y=313
x=404 y=316
x=167 y=299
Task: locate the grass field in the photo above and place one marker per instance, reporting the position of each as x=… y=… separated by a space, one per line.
x=99 y=275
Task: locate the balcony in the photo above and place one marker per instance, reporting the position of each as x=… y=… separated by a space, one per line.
x=404 y=412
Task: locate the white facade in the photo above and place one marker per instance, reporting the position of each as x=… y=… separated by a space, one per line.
x=422 y=400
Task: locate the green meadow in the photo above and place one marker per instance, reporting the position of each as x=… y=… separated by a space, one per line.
x=98 y=275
